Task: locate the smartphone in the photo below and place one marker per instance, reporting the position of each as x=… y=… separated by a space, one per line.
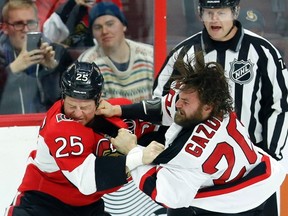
x=34 y=40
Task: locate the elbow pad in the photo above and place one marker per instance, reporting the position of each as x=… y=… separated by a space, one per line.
x=152 y=107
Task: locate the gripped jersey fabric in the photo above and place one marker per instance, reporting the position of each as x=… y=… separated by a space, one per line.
x=258 y=79
x=136 y=82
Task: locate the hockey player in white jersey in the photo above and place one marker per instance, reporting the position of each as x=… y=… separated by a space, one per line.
x=209 y=165
x=258 y=76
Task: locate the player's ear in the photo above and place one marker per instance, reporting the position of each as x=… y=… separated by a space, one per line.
x=207 y=108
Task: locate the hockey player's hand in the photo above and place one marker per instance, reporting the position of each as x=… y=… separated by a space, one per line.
x=125 y=141
x=108 y=110
x=151 y=152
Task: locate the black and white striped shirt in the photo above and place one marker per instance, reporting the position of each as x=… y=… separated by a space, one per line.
x=258 y=79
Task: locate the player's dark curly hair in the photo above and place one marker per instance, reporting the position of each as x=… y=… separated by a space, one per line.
x=208 y=79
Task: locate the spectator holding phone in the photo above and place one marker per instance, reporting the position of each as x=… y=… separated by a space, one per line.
x=29 y=79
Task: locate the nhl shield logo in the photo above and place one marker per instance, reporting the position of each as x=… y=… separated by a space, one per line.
x=241 y=72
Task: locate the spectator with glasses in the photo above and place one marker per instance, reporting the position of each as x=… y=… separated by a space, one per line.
x=20 y=26
x=29 y=79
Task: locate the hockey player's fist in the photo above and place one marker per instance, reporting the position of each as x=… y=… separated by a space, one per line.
x=151 y=152
x=124 y=141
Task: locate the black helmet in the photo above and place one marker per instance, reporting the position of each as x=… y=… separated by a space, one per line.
x=218 y=3
x=82 y=80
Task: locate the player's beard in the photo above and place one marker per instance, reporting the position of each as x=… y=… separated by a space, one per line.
x=181 y=119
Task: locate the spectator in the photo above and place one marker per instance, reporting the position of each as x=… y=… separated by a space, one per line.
x=72 y=167
x=69 y=24
x=127 y=66
x=257 y=72
x=209 y=165
x=29 y=80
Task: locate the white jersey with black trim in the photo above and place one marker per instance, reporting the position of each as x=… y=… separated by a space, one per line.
x=213 y=166
x=258 y=79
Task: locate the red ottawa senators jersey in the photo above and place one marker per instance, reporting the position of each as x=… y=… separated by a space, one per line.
x=69 y=162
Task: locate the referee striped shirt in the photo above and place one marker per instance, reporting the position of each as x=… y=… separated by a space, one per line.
x=258 y=79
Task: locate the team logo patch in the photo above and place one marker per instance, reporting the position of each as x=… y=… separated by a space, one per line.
x=241 y=72
x=105 y=148
x=61 y=117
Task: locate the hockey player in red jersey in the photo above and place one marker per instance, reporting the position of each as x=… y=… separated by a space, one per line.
x=209 y=166
x=69 y=171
